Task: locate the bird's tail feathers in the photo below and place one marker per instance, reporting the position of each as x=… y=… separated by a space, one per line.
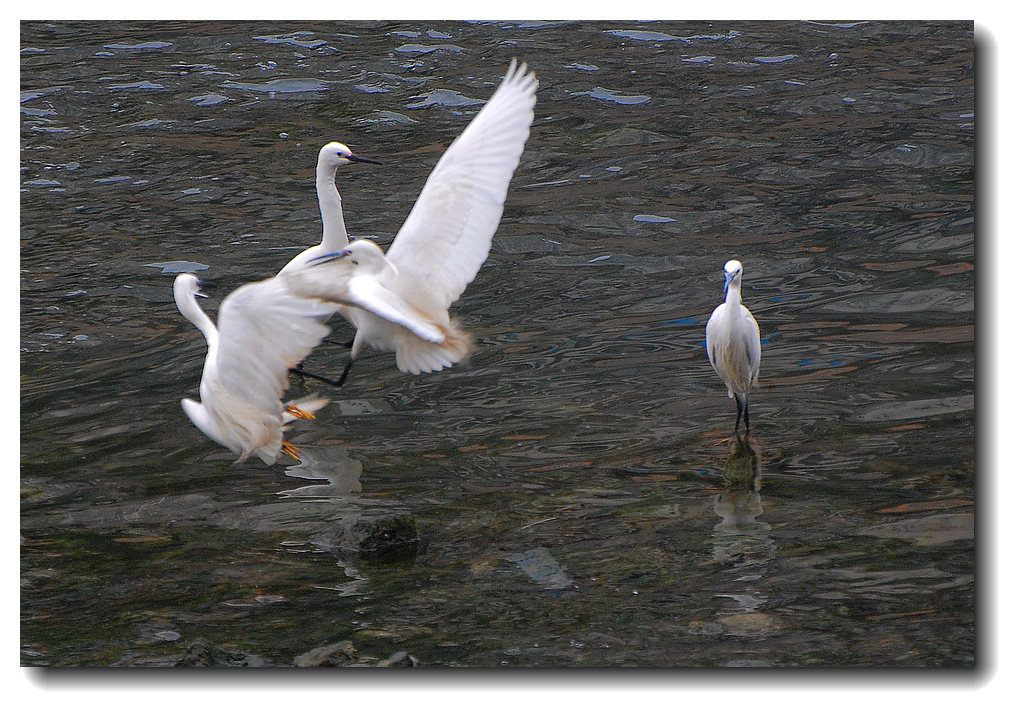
x=414 y=355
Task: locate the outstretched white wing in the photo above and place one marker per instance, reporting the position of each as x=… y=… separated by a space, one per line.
x=264 y=331
x=338 y=282
x=447 y=235
x=366 y=293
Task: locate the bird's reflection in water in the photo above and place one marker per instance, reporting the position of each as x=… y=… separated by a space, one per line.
x=740 y=503
x=740 y=543
x=337 y=473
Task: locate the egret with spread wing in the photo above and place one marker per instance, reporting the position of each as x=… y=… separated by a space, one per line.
x=263 y=331
x=399 y=301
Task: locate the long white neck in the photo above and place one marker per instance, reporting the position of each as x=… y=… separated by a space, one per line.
x=732 y=295
x=189 y=307
x=335 y=235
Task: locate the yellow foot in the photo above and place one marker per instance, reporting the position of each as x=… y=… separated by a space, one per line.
x=299 y=413
x=291 y=449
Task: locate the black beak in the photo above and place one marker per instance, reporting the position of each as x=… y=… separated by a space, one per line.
x=357 y=158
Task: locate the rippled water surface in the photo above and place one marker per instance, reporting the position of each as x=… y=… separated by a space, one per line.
x=572 y=495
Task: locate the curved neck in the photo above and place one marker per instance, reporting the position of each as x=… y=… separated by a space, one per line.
x=189 y=307
x=335 y=235
x=732 y=295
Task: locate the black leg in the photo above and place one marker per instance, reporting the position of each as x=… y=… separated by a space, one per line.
x=739 y=415
x=299 y=371
x=746 y=415
x=344 y=374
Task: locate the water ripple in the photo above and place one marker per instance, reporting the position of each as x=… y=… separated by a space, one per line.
x=306 y=40
x=600 y=93
x=284 y=85
x=578 y=468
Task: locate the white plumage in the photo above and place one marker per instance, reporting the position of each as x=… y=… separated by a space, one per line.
x=263 y=331
x=440 y=247
x=734 y=343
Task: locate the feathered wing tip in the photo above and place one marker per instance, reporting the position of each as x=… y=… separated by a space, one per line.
x=415 y=356
x=512 y=67
x=518 y=70
x=307 y=404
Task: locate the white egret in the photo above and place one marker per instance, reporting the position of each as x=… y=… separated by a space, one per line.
x=734 y=344
x=399 y=302
x=263 y=331
x=335 y=236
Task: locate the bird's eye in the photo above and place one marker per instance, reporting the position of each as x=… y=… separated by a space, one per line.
x=340 y=154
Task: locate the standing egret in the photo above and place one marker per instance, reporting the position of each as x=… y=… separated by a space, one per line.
x=734 y=344
x=263 y=331
x=440 y=247
x=335 y=236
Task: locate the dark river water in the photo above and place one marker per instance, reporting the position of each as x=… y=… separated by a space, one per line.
x=572 y=495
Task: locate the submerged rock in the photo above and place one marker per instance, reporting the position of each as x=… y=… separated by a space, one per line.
x=389 y=537
x=340 y=654
x=542 y=567
x=384 y=537
x=203 y=653
x=345 y=654
x=399 y=659
x=927 y=531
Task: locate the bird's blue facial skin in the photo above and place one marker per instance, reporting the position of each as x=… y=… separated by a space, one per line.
x=333 y=256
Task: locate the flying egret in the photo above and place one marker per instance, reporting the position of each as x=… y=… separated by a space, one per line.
x=263 y=331
x=734 y=344
x=440 y=247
